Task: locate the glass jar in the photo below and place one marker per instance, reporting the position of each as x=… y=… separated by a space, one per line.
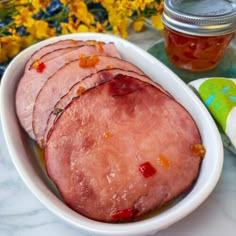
x=197 y=33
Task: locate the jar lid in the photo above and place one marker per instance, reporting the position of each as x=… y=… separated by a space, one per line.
x=201 y=17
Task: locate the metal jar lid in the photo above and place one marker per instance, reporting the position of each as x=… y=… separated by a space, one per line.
x=200 y=17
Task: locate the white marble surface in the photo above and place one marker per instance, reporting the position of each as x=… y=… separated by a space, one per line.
x=21 y=214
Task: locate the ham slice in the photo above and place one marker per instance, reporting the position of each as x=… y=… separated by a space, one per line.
x=32 y=81
x=121 y=149
x=52 y=47
x=61 y=51
x=87 y=83
x=56 y=53
x=59 y=85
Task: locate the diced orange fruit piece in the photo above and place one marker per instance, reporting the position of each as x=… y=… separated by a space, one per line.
x=198 y=150
x=35 y=64
x=88 y=61
x=109 y=67
x=164 y=161
x=80 y=90
x=107 y=135
x=100 y=46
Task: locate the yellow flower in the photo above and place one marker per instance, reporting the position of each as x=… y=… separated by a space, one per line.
x=143 y=3
x=24 y=18
x=156 y=22
x=64 y=1
x=12 y=31
x=105 y=3
x=138 y=24
x=22 y=1
x=27 y=40
x=120 y=27
x=80 y=10
x=64 y=28
x=120 y=12
x=160 y=6
x=10 y=46
x=101 y=27
x=13 y=49
x=68 y=28
x=38 y=4
x=3 y=54
x=82 y=28
x=125 y=7
x=40 y=30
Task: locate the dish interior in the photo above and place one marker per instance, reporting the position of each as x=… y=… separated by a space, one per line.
x=28 y=162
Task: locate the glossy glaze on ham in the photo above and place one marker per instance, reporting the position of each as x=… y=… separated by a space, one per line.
x=61 y=50
x=92 y=81
x=51 y=48
x=121 y=149
x=116 y=144
x=60 y=83
x=32 y=81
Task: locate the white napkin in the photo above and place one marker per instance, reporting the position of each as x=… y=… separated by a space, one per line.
x=219 y=96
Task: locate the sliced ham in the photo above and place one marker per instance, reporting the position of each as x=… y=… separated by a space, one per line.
x=32 y=81
x=87 y=83
x=52 y=55
x=121 y=149
x=76 y=44
x=50 y=48
x=61 y=82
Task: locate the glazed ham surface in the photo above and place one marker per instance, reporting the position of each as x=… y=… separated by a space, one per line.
x=51 y=48
x=116 y=144
x=60 y=83
x=92 y=81
x=73 y=46
x=32 y=81
x=121 y=149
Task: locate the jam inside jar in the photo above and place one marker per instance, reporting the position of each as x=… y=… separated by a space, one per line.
x=195 y=53
x=197 y=33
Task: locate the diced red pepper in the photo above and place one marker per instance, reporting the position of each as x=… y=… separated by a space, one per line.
x=147 y=170
x=122 y=214
x=40 y=68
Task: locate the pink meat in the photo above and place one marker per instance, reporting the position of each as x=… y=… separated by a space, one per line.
x=76 y=44
x=87 y=83
x=59 y=85
x=106 y=151
x=56 y=53
x=50 y=48
x=32 y=81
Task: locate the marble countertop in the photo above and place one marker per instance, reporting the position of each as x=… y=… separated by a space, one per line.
x=21 y=214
